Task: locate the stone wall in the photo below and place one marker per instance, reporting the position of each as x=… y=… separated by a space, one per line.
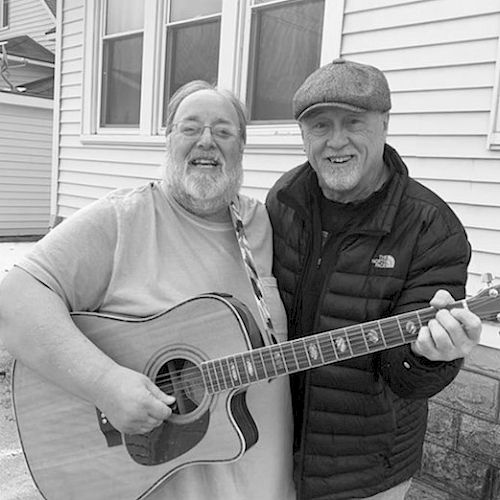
x=462 y=450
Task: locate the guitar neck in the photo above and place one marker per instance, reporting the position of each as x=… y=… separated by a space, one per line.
x=243 y=369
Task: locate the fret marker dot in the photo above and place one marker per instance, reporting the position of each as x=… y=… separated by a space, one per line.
x=372 y=336
x=234 y=373
x=250 y=368
x=277 y=359
x=406 y=365
x=313 y=351
x=341 y=344
x=411 y=327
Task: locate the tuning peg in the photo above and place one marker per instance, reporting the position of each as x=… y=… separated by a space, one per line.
x=487 y=278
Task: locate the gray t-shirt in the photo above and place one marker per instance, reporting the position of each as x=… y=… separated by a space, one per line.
x=136 y=252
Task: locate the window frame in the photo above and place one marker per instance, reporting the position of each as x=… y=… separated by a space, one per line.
x=284 y=134
x=164 y=34
x=493 y=140
x=4 y=5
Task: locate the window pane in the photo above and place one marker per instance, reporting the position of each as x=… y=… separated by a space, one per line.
x=189 y=9
x=124 y=15
x=4 y=15
x=192 y=54
x=121 y=81
x=285 y=49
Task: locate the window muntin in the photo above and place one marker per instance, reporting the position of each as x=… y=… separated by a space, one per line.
x=285 y=45
x=192 y=45
x=121 y=70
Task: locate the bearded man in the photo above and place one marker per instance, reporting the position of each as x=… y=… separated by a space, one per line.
x=139 y=252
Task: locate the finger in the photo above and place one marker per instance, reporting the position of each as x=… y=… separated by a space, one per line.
x=446 y=332
x=162 y=396
x=424 y=345
x=471 y=323
x=441 y=299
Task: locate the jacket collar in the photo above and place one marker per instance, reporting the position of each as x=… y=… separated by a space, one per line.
x=300 y=191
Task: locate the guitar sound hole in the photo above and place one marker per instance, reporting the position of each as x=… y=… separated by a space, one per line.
x=182 y=379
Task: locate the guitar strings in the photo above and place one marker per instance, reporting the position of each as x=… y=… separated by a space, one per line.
x=193 y=378
x=358 y=345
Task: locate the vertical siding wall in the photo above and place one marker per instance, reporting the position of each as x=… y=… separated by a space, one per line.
x=25 y=168
x=29 y=17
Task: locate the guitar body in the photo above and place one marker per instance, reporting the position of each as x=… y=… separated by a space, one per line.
x=73 y=453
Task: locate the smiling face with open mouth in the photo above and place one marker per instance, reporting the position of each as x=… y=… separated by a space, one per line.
x=203 y=167
x=345 y=148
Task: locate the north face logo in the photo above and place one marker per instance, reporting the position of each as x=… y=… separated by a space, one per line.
x=384 y=261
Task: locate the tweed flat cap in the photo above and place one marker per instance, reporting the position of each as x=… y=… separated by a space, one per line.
x=345 y=84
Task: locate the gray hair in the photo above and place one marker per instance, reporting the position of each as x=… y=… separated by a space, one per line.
x=194 y=86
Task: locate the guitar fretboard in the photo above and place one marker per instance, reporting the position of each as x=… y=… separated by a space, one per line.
x=320 y=349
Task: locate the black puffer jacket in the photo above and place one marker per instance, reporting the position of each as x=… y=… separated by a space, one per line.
x=360 y=423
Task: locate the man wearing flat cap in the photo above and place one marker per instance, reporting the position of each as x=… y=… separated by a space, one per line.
x=357 y=240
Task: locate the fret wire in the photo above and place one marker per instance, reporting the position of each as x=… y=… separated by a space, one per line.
x=267 y=355
x=301 y=356
x=240 y=362
x=295 y=355
x=381 y=330
x=219 y=372
x=326 y=347
x=400 y=329
x=306 y=350
x=264 y=364
x=419 y=320
x=364 y=338
x=348 y=341
x=213 y=374
x=227 y=373
x=318 y=342
x=281 y=358
x=291 y=358
x=259 y=365
x=235 y=375
x=206 y=374
x=334 y=346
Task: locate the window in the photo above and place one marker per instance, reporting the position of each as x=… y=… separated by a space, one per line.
x=4 y=13
x=192 y=44
x=285 y=46
x=138 y=53
x=122 y=48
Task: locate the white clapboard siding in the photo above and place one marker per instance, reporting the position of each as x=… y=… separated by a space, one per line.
x=31 y=18
x=25 y=166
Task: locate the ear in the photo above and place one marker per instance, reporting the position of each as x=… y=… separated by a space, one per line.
x=301 y=130
x=386 y=122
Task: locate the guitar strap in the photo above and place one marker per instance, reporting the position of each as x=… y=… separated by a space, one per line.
x=253 y=276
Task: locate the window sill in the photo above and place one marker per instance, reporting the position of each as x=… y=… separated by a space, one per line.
x=132 y=141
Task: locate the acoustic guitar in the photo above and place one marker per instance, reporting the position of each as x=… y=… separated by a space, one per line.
x=206 y=351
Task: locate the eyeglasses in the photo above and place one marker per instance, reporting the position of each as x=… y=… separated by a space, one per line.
x=194 y=130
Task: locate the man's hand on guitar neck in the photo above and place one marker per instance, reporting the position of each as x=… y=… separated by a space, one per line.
x=131 y=401
x=451 y=335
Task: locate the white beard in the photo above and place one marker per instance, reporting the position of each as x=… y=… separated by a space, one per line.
x=199 y=192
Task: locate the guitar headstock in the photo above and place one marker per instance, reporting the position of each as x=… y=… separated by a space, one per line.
x=486 y=304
